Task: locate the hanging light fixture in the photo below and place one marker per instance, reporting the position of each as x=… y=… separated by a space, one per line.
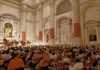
x=39 y=1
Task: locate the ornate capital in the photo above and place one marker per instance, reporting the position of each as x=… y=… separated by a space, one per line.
x=40 y=7
x=1 y=18
x=51 y=2
x=24 y=7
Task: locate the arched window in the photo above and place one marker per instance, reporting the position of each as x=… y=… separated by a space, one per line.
x=64 y=7
x=8 y=28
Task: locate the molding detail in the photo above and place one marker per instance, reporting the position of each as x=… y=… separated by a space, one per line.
x=15 y=2
x=11 y=16
x=89 y=5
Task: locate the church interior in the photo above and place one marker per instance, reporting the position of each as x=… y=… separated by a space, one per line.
x=50 y=22
x=57 y=26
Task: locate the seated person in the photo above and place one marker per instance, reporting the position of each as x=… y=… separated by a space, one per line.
x=44 y=62
x=16 y=63
x=1 y=62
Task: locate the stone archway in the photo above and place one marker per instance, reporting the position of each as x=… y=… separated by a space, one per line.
x=10 y=23
x=64 y=30
x=88 y=21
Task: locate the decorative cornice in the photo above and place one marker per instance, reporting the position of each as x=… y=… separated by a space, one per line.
x=37 y=21
x=9 y=4
x=44 y=3
x=29 y=6
x=48 y=17
x=29 y=21
x=45 y=20
x=15 y=2
x=9 y=16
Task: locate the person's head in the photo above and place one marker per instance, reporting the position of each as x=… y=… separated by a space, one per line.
x=53 y=53
x=72 y=62
x=77 y=60
x=46 y=54
x=94 y=53
x=16 y=54
x=7 y=52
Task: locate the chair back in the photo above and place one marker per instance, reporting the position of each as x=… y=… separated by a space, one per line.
x=21 y=68
x=59 y=65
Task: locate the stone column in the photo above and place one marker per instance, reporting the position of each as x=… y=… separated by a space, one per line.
x=59 y=33
x=69 y=29
x=83 y=40
x=24 y=9
x=16 y=32
x=76 y=21
x=52 y=22
x=97 y=32
x=86 y=38
x=2 y=26
x=40 y=24
x=34 y=24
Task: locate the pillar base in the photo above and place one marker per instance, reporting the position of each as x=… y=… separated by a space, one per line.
x=40 y=42
x=76 y=41
x=51 y=42
x=23 y=35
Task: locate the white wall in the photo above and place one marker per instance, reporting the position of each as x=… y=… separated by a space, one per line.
x=37 y=15
x=29 y=16
x=46 y=11
x=4 y=9
x=29 y=31
x=92 y=14
x=47 y=25
x=37 y=30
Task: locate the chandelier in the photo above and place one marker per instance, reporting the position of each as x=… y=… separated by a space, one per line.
x=39 y=1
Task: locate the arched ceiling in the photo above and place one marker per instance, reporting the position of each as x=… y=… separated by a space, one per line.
x=34 y=2
x=31 y=2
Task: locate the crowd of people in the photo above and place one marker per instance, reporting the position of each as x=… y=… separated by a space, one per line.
x=46 y=57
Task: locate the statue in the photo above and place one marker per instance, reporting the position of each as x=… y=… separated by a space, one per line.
x=47 y=38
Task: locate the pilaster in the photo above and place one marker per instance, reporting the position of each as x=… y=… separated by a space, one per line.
x=34 y=24
x=40 y=23
x=51 y=22
x=23 y=19
x=2 y=26
x=76 y=22
x=69 y=29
